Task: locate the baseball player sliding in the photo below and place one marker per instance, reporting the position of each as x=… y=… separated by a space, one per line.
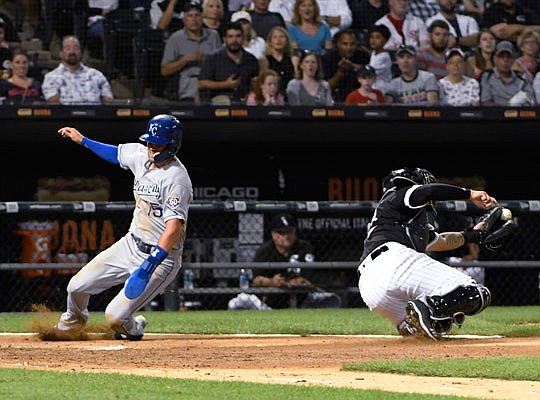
x=416 y=293
x=148 y=258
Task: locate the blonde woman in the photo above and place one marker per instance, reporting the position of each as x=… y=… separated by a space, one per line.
x=213 y=15
x=528 y=43
x=266 y=90
x=308 y=31
x=310 y=88
x=279 y=56
x=482 y=60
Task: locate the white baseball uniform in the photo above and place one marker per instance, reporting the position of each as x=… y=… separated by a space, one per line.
x=394 y=268
x=160 y=194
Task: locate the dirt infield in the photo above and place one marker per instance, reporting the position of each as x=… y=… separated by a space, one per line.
x=314 y=360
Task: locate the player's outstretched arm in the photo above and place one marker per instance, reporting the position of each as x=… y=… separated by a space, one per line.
x=106 y=151
x=71 y=133
x=482 y=199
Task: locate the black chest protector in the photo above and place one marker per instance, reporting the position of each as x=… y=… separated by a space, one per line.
x=394 y=221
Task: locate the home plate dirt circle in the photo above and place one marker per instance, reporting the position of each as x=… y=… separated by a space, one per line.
x=273 y=359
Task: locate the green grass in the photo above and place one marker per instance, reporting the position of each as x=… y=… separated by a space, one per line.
x=505 y=321
x=508 y=321
x=511 y=368
x=14 y=385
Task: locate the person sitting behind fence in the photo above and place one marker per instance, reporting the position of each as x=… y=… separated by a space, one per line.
x=284 y=246
x=72 y=82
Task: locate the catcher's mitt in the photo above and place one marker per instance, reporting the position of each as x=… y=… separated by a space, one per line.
x=498 y=226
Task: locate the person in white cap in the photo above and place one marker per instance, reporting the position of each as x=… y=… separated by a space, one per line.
x=252 y=42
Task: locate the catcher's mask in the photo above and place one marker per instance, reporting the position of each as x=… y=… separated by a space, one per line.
x=164 y=129
x=406 y=177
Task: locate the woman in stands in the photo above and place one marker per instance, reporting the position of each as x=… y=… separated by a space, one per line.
x=482 y=59
x=19 y=88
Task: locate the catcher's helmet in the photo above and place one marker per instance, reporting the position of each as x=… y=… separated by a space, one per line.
x=406 y=177
x=164 y=129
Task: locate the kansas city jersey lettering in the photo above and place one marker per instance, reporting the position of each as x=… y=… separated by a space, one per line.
x=147 y=190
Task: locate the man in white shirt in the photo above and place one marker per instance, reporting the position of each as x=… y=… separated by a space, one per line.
x=336 y=13
x=405 y=28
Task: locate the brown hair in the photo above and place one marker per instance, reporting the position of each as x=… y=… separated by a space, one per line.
x=256 y=87
x=478 y=58
x=296 y=19
x=319 y=73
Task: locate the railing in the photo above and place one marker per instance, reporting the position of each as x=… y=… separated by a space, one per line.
x=222 y=238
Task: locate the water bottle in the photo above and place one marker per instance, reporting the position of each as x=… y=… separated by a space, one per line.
x=188 y=279
x=243 y=280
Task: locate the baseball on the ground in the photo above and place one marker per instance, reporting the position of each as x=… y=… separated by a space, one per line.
x=506 y=214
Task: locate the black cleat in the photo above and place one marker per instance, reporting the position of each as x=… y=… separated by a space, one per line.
x=420 y=317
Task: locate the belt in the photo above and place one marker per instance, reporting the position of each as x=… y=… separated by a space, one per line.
x=144 y=247
x=374 y=254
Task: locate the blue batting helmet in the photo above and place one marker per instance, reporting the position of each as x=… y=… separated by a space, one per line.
x=164 y=129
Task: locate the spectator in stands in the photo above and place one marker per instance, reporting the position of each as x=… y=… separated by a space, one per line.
x=502 y=85
x=342 y=63
x=380 y=58
x=404 y=27
x=456 y=89
x=463 y=28
x=238 y=5
x=365 y=94
x=536 y=87
x=507 y=20
x=279 y=56
x=95 y=34
x=72 y=82
x=166 y=15
x=252 y=42
x=19 y=88
x=364 y=15
x=529 y=44
x=266 y=90
x=476 y=8
x=263 y=19
x=413 y=86
x=229 y=71
x=431 y=58
x=284 y=246
x=336 y=13
x=482 y=59
x=308 y=31
x=285 y=8
x=310 y=88
x=423 y=9
x=5 y=48
x=213 y=16
x=184 y=52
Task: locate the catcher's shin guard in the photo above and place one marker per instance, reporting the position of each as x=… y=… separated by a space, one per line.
x=468 y=300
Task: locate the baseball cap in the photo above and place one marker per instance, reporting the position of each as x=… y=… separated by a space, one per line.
x=450 y=52
x=366 y=70
x=192 y=5
x=237 y=16
x=282 y=222
x=503 y=46
x=406 y=49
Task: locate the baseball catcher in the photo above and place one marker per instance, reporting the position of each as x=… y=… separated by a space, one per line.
x=418 y=294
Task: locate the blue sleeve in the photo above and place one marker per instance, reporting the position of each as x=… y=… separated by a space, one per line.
x=106 y=151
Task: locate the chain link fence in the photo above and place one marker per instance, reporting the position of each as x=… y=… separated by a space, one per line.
x=43 y=244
